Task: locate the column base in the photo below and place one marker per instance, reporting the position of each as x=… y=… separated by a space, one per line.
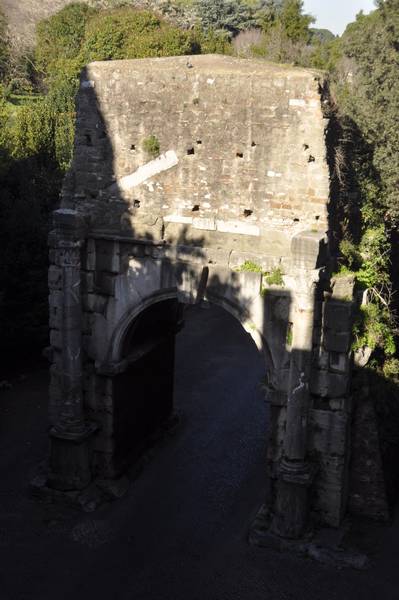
x=291 y=510
x=326 y=545
x=70 y=459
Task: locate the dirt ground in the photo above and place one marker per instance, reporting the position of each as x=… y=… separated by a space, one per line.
x=180 y=533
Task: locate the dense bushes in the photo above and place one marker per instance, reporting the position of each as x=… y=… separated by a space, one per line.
x=60 y=37
x=366 y=84
x=129 y=34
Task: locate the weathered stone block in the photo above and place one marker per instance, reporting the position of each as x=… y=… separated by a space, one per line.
x=276 y=397
x=89 y=255
x=278 y=417
x=336 y=341
x=309 y=250
x=329 y=432
x=337 y=315
x=341 y=404
x=343 y=287
x=94 y=303
x=267 y=263
x=105 y=283
x=107 y=256
x=339 y=362
x=56 y=339
x=55 y=278
x=330 y=489
x=328 y=385
x=88 y=282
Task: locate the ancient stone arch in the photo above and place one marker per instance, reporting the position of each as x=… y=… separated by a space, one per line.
x=195 y=178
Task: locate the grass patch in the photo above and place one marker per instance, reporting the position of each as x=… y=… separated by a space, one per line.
x=151 y=146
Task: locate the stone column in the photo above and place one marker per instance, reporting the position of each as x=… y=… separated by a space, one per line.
x=295 y=471
x=69 y=454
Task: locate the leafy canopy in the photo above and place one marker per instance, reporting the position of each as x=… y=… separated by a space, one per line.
x=61 y=36
x=373 y=99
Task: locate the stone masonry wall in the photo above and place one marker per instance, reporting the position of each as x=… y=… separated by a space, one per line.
x=242 y=151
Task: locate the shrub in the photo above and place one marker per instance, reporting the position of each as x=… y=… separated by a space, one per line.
x=151 y=146
x=275 y=277
x=61 y=36
x=126 y=33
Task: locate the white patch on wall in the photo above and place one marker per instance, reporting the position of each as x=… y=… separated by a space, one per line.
x=154 y=167
x=177 y=219
x=297 y=102
x=204 y=223
x=237 y=227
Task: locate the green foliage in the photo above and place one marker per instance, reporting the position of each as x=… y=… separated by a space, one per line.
x=250 y=267
x=275 y=277
x=373 y=328
x=286 y=32
x=228 y=15
x=369 y=260
x=272 y=277
x=126 y=33
x=371 y=99
x=45 y=127
x=322 y=35
x=391 y=369
x=61 y=36
x=325 y=54
x=151 y=146
x=295 y=23
x=4 y=46
x=212 y=42
x=289 y=335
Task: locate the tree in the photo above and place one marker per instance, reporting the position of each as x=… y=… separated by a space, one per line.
x=231 y=16
x=61 y=36
x=286 y=32
x=295 y=23
x=371 y=99
x=4 y=46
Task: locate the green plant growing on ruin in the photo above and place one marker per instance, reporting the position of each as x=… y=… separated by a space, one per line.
x=373 y=329
x=368 y=261
x=289 y=335
x=250 y=267
x=151 y=146
x=275 y=277
x=391 y=369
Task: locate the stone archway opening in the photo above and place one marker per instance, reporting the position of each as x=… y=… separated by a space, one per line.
x=143 y=392
x=198 y=361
